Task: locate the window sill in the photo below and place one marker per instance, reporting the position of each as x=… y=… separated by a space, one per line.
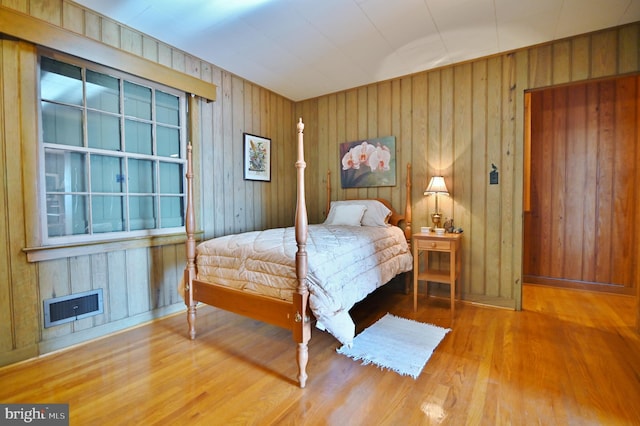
x=39 y=254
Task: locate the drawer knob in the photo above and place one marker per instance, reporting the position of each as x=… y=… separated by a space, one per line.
x=433 y=244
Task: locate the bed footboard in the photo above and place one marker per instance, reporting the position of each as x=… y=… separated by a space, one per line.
x=292 y=315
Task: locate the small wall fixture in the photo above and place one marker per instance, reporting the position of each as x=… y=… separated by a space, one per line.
x=436 y=186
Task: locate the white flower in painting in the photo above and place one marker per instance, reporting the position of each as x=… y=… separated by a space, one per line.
x=379 y=159
x=357 y=155
x=348 y=161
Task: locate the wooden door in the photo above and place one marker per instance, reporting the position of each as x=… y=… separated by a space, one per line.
x=581 y=225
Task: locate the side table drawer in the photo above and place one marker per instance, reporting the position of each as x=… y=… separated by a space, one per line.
x=433 y=245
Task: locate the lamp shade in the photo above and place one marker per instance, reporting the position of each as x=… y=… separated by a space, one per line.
x=436 y=186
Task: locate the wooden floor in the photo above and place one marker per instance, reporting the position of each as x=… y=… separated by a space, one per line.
x=569 y=358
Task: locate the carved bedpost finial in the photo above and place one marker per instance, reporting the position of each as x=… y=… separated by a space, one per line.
x=300 y=126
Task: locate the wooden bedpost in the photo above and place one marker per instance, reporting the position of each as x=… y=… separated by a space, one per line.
x=190 y=270
x=302 y=326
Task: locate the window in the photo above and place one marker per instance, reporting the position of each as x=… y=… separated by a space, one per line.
x=113 y=148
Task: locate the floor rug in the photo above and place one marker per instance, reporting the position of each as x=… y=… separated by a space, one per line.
x=398 y=344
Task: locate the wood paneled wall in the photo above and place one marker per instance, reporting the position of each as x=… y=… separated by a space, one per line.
x=582 y=224
x=458 y=121
x=139 y=279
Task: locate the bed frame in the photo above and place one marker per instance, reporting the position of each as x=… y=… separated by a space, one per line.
x=292 y=315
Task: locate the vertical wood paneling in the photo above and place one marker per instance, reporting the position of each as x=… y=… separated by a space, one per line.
x=558 y=182
x=100 y=279
x=479 y=186
x=474 y=113
x=540 y=64
x=383 y=114
x=325 y=120
x=252 y=194
x=21 y=5
x=6 y=311
x=92 y=25
x=580 y=58
x=80 y=280
x=624 y=193
x=573 y=231
x=117 y=285
x=493 y=220
x=22 y=276
x=605 y=183
x=49 y=11
x=238 y=186
x=137 y=279
x=584 y=141
x=394 y=129
x=54 y=277
x=628 y=55
x=511 y=154
x=591 y=180
x=561 y=62
x=406 y=142
x=604 y=53
x=156 y=278
x=73 y=17
x=448 y=123
x=419 y=147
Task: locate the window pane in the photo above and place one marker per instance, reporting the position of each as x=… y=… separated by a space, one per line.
x=107 y=213
x=61 y=124
x=137 y=101
x=168 y=141
x=141 y=176
x=141 y=213
x=167 y=108
x=103 y=131
x=106 y=174
x=112 y=153
x=137 y=137
x=103 y=92
x=67 y=215
x=170 y=178
x=171 y=212
x=65 y=171
x=60 y=82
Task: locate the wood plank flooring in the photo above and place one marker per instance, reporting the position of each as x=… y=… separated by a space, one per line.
x=569 y=358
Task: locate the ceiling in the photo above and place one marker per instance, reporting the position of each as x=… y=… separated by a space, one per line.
x=302 y=49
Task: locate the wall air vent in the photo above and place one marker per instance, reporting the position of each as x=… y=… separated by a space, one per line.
x=60 y=310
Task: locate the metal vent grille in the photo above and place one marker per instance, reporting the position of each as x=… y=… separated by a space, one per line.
x=73 y=307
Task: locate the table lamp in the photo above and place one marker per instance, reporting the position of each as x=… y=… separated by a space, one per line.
x=436 y=186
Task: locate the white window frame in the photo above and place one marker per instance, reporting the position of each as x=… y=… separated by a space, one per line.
x=91 y=237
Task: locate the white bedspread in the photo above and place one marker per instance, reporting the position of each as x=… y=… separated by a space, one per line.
x=346 y=263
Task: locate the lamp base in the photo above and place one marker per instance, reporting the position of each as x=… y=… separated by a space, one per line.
x=436 y=219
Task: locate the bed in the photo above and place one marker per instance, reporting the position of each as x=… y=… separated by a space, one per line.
x=292 y=277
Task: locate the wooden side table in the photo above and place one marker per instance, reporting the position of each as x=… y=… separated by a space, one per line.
x=446 y=243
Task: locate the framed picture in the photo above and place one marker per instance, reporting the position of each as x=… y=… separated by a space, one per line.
x=257 y=157
x=368 y=163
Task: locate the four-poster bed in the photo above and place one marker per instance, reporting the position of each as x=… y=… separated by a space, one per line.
x=287 y=276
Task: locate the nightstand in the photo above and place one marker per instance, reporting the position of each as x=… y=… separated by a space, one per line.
x=447 y=243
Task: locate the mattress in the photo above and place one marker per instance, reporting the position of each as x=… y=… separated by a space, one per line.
x=345 y=264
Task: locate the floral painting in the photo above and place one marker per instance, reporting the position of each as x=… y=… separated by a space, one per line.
x=368 y=163
x=257 y=157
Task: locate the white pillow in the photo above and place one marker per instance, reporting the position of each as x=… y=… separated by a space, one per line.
x=376 y=213
x=348 y=214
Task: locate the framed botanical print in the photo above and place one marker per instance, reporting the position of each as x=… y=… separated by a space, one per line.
x=257 y=157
